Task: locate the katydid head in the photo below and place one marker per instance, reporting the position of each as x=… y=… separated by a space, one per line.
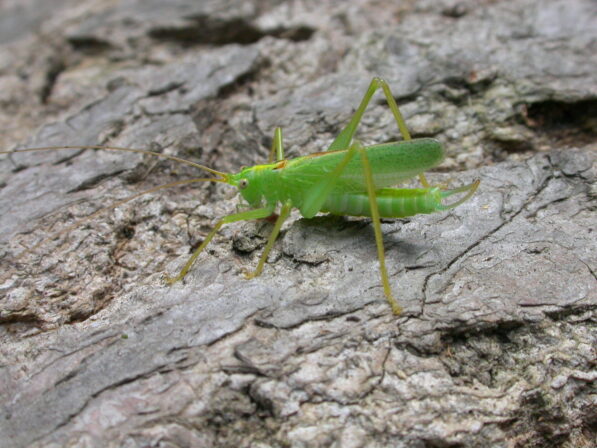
x=248 y=183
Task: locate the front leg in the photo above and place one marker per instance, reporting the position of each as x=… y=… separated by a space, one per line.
x=242 y=216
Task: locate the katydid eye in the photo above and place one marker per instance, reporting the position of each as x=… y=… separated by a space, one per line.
x=244 y=183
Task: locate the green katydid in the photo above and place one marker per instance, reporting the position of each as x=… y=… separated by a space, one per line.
x=346 y=179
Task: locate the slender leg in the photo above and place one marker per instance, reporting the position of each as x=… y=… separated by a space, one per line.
x=242 y=216
x=343 y=139
x=284 y=212
x=316 y=197
x=277 y=147
x=396 y=309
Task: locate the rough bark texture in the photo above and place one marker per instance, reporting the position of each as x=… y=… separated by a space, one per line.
x=496 y=346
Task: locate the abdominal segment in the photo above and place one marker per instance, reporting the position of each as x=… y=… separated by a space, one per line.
x=391 y=202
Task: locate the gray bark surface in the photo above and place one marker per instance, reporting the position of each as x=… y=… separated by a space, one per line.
x=496 y=345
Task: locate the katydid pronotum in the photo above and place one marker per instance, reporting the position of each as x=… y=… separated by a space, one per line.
x=346 y=179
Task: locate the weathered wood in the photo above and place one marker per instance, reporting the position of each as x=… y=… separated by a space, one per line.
x=497 y=343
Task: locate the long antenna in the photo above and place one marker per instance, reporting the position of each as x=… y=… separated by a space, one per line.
x=116 y=148
x=112 y=206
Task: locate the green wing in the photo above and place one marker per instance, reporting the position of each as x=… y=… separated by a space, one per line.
x=391 y=163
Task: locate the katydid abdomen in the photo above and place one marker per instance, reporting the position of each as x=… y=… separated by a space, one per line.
x=391 y=202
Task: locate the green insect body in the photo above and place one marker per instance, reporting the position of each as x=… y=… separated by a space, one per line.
x=347 y=179
x=294 y=179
